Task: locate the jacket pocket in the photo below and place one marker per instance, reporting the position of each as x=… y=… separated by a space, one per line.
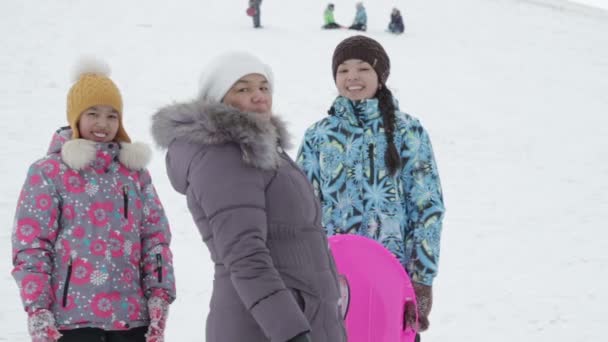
x=66 y=287
x=159 y=267
x=297 y=295
x=309 y=304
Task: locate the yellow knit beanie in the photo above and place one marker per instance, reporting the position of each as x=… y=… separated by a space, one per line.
x=92 y=87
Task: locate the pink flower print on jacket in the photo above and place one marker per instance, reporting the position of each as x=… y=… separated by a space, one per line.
x=32 y=286
x=68 y=212
x=98 y=247
x=102 y=306
x=53 y=219
x=136 y=254
x=43 y=201
x=66 y=251
x=102 y=162
x=99 y=213
x=79 y=232
x=124 y=170
x=127 y=276
x=35 y=180
x=50 y=168
x=81 y=272
x=70 y=303
x=128 y=224
x=27 y=230
x=153 y=217
x=134 y=308
x=73 y=182
x=71 y=241
x=116 y=243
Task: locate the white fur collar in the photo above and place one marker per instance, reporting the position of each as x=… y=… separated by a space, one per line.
x=216 y=123
x=79 y=153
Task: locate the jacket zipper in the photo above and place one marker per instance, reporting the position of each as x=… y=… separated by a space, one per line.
x=125 y=198
x=67 y=284
x=159 y=267
x=370 y=150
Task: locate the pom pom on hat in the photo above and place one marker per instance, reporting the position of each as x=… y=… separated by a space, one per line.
x=225 y=70
x=93 y=86
x=90 y=65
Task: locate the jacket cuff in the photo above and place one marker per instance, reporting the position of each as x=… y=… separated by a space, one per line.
x=160 y=293
x=280 y=317
x=424 y=279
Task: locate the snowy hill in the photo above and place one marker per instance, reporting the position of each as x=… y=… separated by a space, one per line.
x=512 y=92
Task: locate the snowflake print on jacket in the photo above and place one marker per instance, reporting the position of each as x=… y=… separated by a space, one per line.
x=343 y=157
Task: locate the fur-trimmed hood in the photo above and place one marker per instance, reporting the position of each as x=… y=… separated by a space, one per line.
x=81 y=153
x=206 y=124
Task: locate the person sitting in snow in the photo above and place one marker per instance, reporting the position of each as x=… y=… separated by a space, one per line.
x=396 y=25
x=90 y=244
x=360 y=22
x=328 y=16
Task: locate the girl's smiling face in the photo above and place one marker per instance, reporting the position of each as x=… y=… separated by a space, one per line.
x=99 y=123
x=356 y=80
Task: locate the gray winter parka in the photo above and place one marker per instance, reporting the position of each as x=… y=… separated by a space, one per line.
x=258 y=215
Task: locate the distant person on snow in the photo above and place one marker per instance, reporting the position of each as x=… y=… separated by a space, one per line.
x=360 y=22
x=254 y=8
x=328 y=16
x=396 y=25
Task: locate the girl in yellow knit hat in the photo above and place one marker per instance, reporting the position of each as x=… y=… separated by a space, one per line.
x=91 y=241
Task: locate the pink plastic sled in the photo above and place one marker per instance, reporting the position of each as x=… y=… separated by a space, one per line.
x=379 y=289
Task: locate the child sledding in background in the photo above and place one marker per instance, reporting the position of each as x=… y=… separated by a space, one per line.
x=91 y=241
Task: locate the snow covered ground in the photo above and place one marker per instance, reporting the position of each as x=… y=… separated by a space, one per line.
x=512 y=92
x=603 y=4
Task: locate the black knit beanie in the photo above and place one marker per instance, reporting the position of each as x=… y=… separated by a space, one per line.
x=365 y=49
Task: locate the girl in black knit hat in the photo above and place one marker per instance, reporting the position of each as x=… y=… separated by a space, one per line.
x=373 y=168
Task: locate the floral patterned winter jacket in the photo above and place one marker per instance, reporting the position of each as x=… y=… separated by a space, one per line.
x=343 y=157
x=90 y=239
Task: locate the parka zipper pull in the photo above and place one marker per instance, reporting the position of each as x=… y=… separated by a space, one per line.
x=370 y=151
x=67 y=284
x=159 y=268
x=125 y=198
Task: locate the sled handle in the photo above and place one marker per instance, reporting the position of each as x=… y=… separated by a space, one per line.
x=344 y=301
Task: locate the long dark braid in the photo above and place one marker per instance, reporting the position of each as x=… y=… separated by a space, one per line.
x=387 y=109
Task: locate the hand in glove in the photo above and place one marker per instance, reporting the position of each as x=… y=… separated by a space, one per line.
x=424 y=299
x=303 y=337
x=41 y=326
x=158 y=308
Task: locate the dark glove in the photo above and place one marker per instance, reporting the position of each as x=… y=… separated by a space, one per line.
x=424 y=299
x=303 y=337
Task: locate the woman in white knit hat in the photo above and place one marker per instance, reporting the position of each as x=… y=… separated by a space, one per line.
x=275 y=279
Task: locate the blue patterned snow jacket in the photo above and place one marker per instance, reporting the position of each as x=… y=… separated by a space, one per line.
x=343 y=157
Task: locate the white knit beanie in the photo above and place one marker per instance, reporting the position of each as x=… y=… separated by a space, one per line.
x=223 y=72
